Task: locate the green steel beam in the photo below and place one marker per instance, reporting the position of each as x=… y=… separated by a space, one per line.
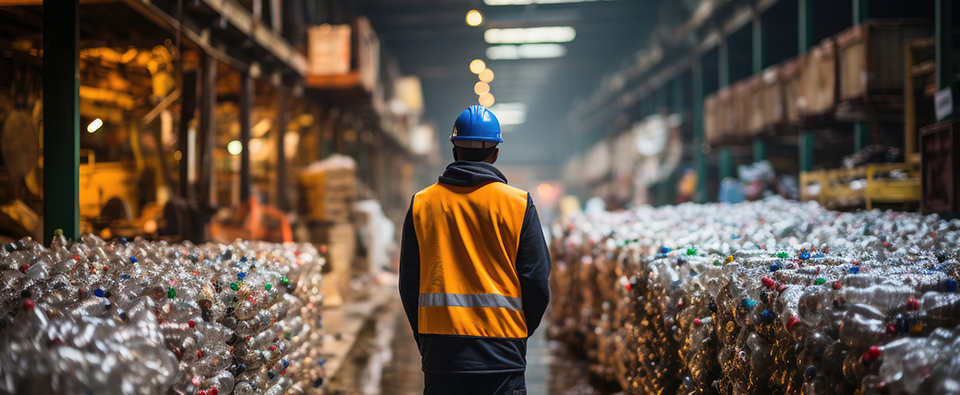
x=679 y=91
x=726 y=162
x=860 y=8
x=759 y=62
x=701 y=159
x=945 y=54
x=61 y=119
x=723 y=52
x=862 y=136
x=805 y=25
x=806 y=150
x=759 y=150
x=759 y=55
x=247 y=98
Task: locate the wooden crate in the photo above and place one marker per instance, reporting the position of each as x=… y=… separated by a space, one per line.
x=791 y=77
x=940 y=167
x=752 y=98
x=871 y=57
x=820 y=79
x=772 y=99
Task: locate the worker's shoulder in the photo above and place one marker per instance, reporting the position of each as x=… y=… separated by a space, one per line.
x=513 y=192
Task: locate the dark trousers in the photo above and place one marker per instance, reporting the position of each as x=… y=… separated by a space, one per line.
x=475 y=384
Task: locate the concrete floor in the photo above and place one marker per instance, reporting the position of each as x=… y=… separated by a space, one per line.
x=549 y=370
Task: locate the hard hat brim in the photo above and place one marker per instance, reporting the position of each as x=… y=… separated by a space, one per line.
x=476 y=138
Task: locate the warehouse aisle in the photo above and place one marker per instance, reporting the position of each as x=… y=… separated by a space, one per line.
x=548 y=371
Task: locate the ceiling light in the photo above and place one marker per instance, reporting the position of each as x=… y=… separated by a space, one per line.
x=474 y=18
x=481 y=88
x=235 y=147
x=510 y=113
x=477 y=66
x=528 y=2
x=486 y=76
x=525 y=35
x=94 y=125
x=487 y=100
x=526 y=51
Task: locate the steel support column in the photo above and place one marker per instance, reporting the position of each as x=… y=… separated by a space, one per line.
x=805 y=25
x=862 y=136
x=806 y=150
x=945 y=53
x=61 y=119
x=759 y=62
x=726 y=162
x=208 y=130
x=701 y=159
x=805 y=34
x=283 y=189
x=759 y=150
x=860 y=8
x=246 y=106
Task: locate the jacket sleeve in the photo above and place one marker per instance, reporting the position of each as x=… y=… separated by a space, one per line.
x=410 y=272
x=533 y=268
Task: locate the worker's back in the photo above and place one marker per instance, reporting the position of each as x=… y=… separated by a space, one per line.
x=474 y=271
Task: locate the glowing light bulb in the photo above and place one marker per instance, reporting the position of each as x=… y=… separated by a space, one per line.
x=487 y=100
x=94 y=125
x=481 y=88
x=474 y=18
x=486 y=76
x=477 y=66
x=235 y=147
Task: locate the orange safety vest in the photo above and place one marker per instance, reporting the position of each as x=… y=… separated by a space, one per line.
x=469 y=238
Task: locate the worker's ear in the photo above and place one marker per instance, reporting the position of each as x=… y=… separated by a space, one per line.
x=496 y=154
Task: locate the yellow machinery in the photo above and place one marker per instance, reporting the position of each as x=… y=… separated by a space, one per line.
x=867 y=184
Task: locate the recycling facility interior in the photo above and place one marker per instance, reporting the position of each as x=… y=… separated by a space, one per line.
x=171 y=124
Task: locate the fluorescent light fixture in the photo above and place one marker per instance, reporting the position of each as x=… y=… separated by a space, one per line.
x=526 y=35
x=528 y=2
x=510 y=113
x=526 y=51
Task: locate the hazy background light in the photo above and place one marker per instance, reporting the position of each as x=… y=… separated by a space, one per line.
x=474 y=18
x=487 y=100
x=510 y=113
x=528 y=2
x=481 y=88
x=235 y=147
x=486 y=76
x=526 y=51
x=477 y=66
x=526 y=35
x=94 y=125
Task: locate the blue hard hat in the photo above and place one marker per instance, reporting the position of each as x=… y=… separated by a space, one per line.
x=476 y=123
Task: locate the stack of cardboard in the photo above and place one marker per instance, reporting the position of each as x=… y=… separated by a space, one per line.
x=329 y=189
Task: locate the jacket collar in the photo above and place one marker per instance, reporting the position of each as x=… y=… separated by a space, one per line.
x=467 y=174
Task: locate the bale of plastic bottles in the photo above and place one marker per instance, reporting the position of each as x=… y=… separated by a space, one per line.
x=768 y=297
x=141 y=317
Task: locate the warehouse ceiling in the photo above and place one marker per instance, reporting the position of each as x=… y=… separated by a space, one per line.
x=431 y=39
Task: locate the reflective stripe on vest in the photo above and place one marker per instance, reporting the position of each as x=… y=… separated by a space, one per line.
x=468 y=239
x=480 y=300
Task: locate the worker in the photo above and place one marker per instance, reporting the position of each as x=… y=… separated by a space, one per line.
x=474 y=269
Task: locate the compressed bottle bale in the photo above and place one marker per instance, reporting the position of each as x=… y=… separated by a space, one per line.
x=767 y=297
